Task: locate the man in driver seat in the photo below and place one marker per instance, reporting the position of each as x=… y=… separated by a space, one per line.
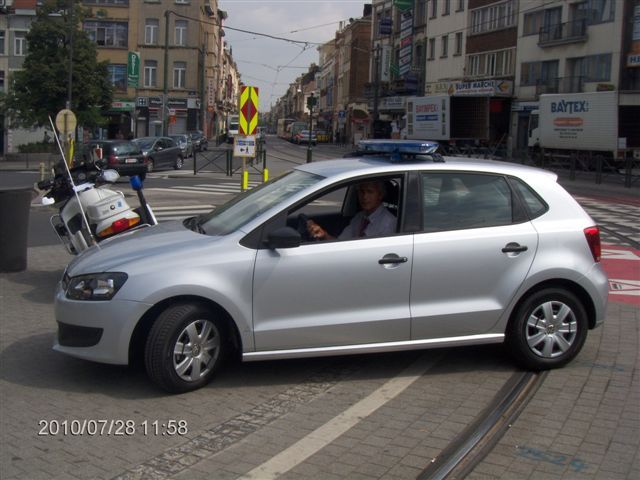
x=374 y=220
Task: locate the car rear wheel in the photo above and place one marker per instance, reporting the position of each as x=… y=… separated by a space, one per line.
x=179 y=163
x=184 y=348
x=548 y=329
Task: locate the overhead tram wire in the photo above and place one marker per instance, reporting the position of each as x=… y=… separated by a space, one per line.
x=309 y=43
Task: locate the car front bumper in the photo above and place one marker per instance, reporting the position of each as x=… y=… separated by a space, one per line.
x=96 y=330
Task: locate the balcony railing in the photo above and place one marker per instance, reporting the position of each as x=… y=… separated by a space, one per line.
x=560 y=85
x=561 y=33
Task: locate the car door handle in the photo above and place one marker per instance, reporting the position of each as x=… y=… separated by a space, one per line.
x=514 y=247
x=392 y=259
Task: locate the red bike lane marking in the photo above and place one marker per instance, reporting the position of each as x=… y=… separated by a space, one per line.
x=622 y=265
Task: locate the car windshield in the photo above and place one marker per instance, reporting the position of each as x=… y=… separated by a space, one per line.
x=244 y=208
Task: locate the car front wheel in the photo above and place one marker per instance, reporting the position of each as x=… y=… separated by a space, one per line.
x=184 y=348
x=150 y=165
x=179 y=163
x=548 y=329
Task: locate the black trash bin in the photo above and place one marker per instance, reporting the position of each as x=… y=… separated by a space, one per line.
x=14 y=225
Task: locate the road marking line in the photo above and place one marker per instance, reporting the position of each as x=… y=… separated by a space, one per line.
x=178 y=190
x=327 y=433
x=184 y=207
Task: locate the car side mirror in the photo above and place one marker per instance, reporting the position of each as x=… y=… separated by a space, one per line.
x=285 y=237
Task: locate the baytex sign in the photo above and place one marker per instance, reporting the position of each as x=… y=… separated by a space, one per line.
x=248 y=108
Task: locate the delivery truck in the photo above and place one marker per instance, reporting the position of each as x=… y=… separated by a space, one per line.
x=585 y=125
x=448 y=118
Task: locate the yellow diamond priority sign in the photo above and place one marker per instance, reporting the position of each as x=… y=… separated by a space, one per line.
x=248 y=108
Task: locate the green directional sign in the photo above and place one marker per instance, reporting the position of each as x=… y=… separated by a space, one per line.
x=403 y=5
x=133 y=69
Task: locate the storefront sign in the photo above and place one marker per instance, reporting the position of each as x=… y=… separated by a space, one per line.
x=480 y=87
x=406 y=38
x=385 y=26
x=392 y=103
x=524 y=106
x=123 y=105
x=133 y=69
x=385 y=64
x=633 y=60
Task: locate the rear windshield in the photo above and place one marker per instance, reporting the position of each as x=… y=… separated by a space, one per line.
x=126 y=148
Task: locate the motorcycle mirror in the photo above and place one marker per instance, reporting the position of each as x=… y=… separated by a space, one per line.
x=48 y=201
x=109 y=176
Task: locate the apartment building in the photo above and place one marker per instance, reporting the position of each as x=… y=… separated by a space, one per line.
x=353 y=51
x=15 y=20
x=178 y=46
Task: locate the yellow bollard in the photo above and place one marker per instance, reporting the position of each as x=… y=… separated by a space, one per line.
x=265 y=175
x=245 y=180
x=41 y=171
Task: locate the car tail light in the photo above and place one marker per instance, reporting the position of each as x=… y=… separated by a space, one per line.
x=112 y=160
x=592 y=235
x=119 y=226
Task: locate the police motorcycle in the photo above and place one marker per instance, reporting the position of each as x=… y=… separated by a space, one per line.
x=89 y=212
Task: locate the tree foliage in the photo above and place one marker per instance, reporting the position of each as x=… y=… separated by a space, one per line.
x=40 y=89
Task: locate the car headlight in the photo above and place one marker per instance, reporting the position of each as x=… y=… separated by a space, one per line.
x=95 y=286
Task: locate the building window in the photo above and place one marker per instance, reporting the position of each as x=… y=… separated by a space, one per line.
x=494 y=17
x=433 y=13
x=432 y=48
x=420 y=11
x=179 y=74
x=151 y=27
x=181 y=33
x=182 y=2
x=118 y=76
x=1 y=80
x=107 y=34
x=445 y=46
x=446 y=10
x=2 y=34
x=492 y=64
x=20 y=44
x=538 y=73
x=594 y=68
x=532 y=23
x=460 y=7
x=597 y=11
x=150 y=73
x=458 y=46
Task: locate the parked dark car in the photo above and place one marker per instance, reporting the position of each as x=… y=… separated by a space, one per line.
x=123 y=156
x=160 y=152
x=199 y=140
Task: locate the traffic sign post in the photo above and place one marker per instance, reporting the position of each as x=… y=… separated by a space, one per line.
x=244 y=144
x=66 y=123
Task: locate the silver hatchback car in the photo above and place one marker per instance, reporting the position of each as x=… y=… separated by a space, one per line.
x=474 y=252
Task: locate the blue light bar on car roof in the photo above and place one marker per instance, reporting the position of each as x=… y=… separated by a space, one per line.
x=414 y=147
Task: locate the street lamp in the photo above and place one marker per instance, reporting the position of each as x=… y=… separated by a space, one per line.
x=311 y=101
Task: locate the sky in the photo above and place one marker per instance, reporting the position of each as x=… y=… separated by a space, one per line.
x=269 y=64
